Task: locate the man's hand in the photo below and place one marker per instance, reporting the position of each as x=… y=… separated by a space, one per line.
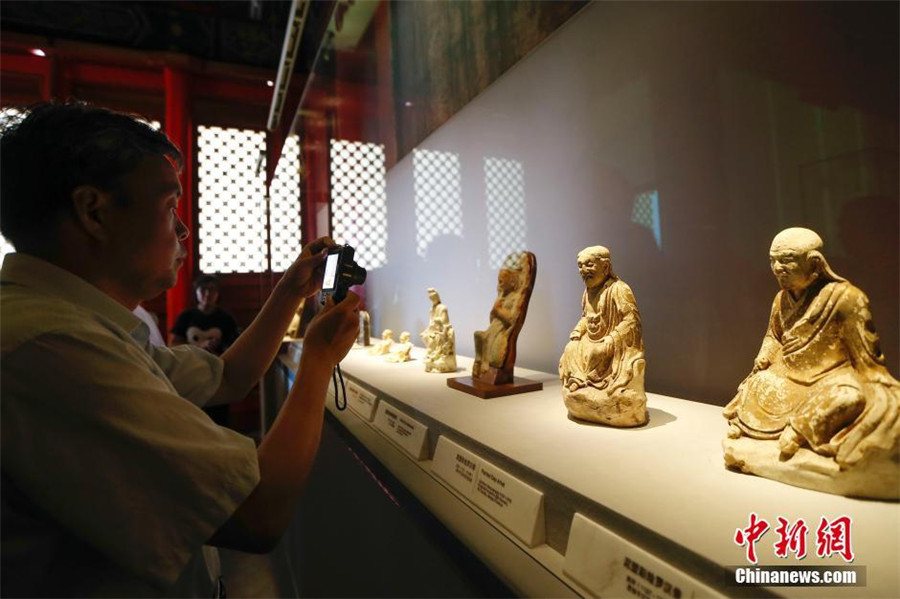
x=332 y=332
x=304 y=276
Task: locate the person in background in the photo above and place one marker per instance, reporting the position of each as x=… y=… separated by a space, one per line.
x=114 y=481
x=207 y=326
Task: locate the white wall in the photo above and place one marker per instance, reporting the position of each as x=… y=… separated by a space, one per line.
x=631 y=97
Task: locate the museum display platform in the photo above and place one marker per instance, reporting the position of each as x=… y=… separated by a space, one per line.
x=557 y=507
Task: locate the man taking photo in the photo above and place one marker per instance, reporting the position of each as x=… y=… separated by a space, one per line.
x=115 y=483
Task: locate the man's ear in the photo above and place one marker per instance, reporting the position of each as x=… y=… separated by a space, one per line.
x=90 y=205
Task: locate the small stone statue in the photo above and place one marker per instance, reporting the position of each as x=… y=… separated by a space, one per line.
x=401 y=350
x=602 y=366
x=365 y=329
x=383 y=347
x=495 y=348
x=819 y=409
x=293 y=330
x=439 y=338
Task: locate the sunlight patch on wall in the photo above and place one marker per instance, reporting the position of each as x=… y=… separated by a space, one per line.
x=646 y=213
x=507 y=227
x=437 y=181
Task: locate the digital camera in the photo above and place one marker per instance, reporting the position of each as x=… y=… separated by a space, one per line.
x=341 y=273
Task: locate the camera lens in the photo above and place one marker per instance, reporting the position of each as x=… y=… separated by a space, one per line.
x=356 y=275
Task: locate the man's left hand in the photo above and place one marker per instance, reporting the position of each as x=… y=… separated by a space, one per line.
x=305 y=275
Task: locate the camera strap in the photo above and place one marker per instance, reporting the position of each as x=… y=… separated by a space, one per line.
x=335 y=375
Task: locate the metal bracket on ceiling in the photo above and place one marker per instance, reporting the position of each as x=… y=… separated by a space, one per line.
x=292 y=36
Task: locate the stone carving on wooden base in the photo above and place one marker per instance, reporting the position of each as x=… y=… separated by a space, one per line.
x=602 y=366
x=401 y=350
x=819 y=409
x=439 y=337
x=293 y=330
x=495 y=348
x=383 y=347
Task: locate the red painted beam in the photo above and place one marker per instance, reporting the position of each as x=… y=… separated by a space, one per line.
x=257 y=93
x=35 y=67
x=25 y=64
x=105 y=75
x=179 y=129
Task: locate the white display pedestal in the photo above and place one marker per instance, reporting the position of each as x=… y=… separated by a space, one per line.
x=660 y=491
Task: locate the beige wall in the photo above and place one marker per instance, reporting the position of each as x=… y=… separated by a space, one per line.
x=746 y=118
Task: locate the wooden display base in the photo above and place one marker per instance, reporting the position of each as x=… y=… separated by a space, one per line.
x=486 y=391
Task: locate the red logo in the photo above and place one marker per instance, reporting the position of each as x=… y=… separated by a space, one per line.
x=832 y=537
x=750 y=535
x=791 y=538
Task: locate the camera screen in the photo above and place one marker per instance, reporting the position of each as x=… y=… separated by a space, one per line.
x=331 y=263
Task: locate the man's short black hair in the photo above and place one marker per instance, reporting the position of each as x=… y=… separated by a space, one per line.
x=206 y=281
x=58 y=146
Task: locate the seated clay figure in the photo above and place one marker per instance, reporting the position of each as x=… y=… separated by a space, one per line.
x=401 y=350
x=819 y=409
x=383 y=347
x=293 y=329
x=495 y=348
x=602 y=366
x=439 y=338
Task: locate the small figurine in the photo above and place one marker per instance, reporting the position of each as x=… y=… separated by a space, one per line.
x=401 y=350
x=383 y=347
x=440 y=340
x=602 y=366
x=293 y=330
x=365 y=329
x=495 y=348
x=819 y=409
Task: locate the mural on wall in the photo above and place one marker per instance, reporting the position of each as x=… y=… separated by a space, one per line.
x=446 y=53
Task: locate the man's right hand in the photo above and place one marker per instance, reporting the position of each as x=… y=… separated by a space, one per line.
x=332 y=332
x=304 y=276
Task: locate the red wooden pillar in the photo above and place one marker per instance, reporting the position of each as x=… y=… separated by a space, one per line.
x=180 y=131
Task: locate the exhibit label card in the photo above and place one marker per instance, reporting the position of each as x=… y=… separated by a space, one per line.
x=609 y=566
x=361 y=401
x=512 y=503
x=402 y=429
x=457 y=466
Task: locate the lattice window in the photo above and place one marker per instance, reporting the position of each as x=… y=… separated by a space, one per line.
x=436 y=177
x=507 y=227
x=8 y=115
x=231 y=218
x=646 y=213
x=284 y=192
x=359 y=201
